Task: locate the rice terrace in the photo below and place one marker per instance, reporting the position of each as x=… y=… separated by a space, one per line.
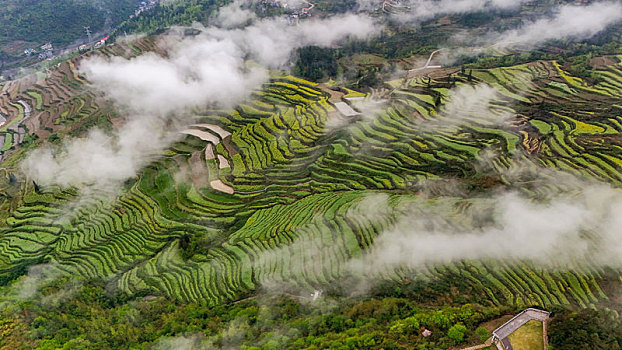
x=423 y=174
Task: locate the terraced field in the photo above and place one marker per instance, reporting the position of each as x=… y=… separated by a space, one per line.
x=55 y=103
x=275 y=190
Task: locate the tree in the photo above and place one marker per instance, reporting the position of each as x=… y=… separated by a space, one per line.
x=406 y=326
x=315 y=63
x=437 y=101
x=585 y=330
x=482 y=333
x=456 y=333
x=369 y=79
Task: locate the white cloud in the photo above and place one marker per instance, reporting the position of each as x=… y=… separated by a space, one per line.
x=569 y=22
x=29 y=287
x=418 y=10
x=576 y=224
x=468 y=103
x=233 y=15
x=98 y=160
x=155 y=92
x=197 y=72
x=191 y=342
x=568 y=229
x=271 y=42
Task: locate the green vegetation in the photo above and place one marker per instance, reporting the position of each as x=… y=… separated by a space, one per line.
x=586 y=329
x=32 y=23
x=171 y=256
x=528 y=337
x=158 y=224
x=482 y=334
x=93 y=319
x=315 y=63
x=456 y=333
x=181 y=12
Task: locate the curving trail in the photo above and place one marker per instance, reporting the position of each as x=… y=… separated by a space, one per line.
x=392 y=4
x=427 y=64
x=311 y=6
x=27 y=109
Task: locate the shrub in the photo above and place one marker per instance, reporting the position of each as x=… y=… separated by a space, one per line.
x=456 y=333
x=482 y=333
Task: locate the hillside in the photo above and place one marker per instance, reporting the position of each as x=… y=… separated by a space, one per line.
x=29 y=24
x=310 y=215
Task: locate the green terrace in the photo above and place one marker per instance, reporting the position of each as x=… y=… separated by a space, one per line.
x=286 y=179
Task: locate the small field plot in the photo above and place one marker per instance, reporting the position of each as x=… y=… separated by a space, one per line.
x=528 y=337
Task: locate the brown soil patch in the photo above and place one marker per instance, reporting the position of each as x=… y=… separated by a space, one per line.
x=228 y=143
x=496 y=323
x=203 y=135
x=223 y=162
x=443 y=21
x=220 y=186
x=335 y=95
x=433 y=73
x=16 y=46
x=368 y=60
x=198 y=170
x=117 y=122
x=603 y=62
x=531 y=142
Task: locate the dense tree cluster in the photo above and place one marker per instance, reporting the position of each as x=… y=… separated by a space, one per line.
x=31 y=23
x=586 y=329
x=58 y=21
x=315 y=63
x=183 y=12
x=72 y=316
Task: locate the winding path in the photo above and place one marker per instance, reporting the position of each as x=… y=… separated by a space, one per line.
x=311 y=6
x=427 y=64
x=27 y=113
x=27 y=109
x=391 y=3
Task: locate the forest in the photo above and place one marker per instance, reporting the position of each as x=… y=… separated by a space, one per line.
x=31 y=23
